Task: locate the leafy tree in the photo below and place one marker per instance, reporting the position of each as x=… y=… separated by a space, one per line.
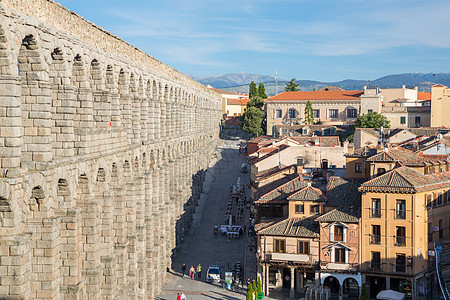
x=372 y=120
x=252 y=90
x=251 y=120
x=249 y=292
x=369 y=120
x=262 y=91
x=291 y=86
x=309 y=114
x=259 y=285
x=364 y=294
x=254 y=288
x=255 y=102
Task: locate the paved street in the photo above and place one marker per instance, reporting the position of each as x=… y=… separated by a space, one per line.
x=200 y=245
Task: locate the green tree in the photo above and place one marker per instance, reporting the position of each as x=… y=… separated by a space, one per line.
x=262 y=91
x=255 y=102
x=291 y=86
x=251 y=120
x=254 y=288
x=252 y=90
x=372 y=120
x=249 y=292
x=369 y=120
x=364 y=294
x=309 y=114
x=259 y=285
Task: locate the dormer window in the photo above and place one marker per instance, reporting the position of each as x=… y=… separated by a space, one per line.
x=338 y=233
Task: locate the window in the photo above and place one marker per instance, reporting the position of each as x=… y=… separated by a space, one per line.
x=430 y=232
x=300 y=161
x=417 y=120
x=278 y=114
x=279 y=246
x=369 y=110
x=339 y=255
x=429 y=201
x=402 y=120
x=400 y=209
x=316 y=113
x=305 y=131
x=292 y=113
x=400 y=238
x=315 y=209
x=338 y=233
x=299 y=208
x=441 y=230
x=303 y=247
x=439 y=199
x=376 y=208
x=381 y=171
x=376 y=235
x=352 y=113
x=400 y=263
x=376 y=261
x=358 y=168
x=333 y=113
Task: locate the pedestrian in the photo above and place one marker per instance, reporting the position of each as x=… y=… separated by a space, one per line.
x=199 y=272
x=183 y=296
x=245 y=228
x=178 y=296
x=288 y=279
x=183 y=269
x=191 y=272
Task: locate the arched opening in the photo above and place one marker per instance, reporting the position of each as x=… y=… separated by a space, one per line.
x=350 y=287
x=114 y=172
x=95 y=76
x=136 y=163
x=332 y=283
x=36 y=199
x=101 y=175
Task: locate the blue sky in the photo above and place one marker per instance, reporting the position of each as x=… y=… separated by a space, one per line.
x=306 y=39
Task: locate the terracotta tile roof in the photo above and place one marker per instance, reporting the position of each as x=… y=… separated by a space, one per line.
x=438 y=85
x=260 y=139
x=342 y=194
x=290 y=227
x=270 y=151
x=406 y=157
x=406 y=180
x=244 y=101
x=308 y=193
x=331 y=88
x=279 y=190
x=317 y=96
x=320 y=141
x=273 y=171
x=421 y=131
x=233 y=121
x=423 y=96
x=233 y=101
x=366 y=151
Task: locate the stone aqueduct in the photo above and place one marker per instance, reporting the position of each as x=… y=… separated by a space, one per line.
x=103 y=152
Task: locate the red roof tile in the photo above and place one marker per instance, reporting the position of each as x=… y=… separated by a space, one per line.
x=316 y=95
x=233 y=101
x=423 y=96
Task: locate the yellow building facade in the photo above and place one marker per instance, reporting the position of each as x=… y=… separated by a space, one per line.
x=440 y=106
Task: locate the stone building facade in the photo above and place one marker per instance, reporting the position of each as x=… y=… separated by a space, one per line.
x=103 y=153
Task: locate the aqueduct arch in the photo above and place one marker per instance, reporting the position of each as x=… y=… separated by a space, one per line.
x=100 y=144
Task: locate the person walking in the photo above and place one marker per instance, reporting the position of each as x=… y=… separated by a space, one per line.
x=191 y=272
x=199 y=272
x=178 y=296
x=183 y=296
x=183 y=269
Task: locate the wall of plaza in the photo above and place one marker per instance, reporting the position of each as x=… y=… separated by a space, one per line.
x=103 y=153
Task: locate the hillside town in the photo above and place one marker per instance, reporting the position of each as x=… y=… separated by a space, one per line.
x=341 y=218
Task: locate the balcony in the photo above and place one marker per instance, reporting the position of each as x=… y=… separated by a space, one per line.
x=290 y=257
x=375 y=239
x=375 y=213
x=400 y=241
x=339 y=266
x=400 y=268
x=400 y=214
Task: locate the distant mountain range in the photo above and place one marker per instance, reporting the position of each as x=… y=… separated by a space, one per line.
x=238 y=82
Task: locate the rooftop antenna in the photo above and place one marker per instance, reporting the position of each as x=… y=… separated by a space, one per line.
x=276 y=82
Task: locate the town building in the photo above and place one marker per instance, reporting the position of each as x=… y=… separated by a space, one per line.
x=331 y=107
x=440 y=105
x=233 y=104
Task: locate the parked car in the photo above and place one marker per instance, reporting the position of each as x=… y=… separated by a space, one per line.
x=213 y=274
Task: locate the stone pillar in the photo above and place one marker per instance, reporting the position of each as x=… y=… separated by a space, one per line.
x=388 y=283
x=11 y=131
x=136 y=119
x=144 y=120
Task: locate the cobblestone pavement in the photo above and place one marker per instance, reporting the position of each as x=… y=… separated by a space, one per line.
x=200 y=245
